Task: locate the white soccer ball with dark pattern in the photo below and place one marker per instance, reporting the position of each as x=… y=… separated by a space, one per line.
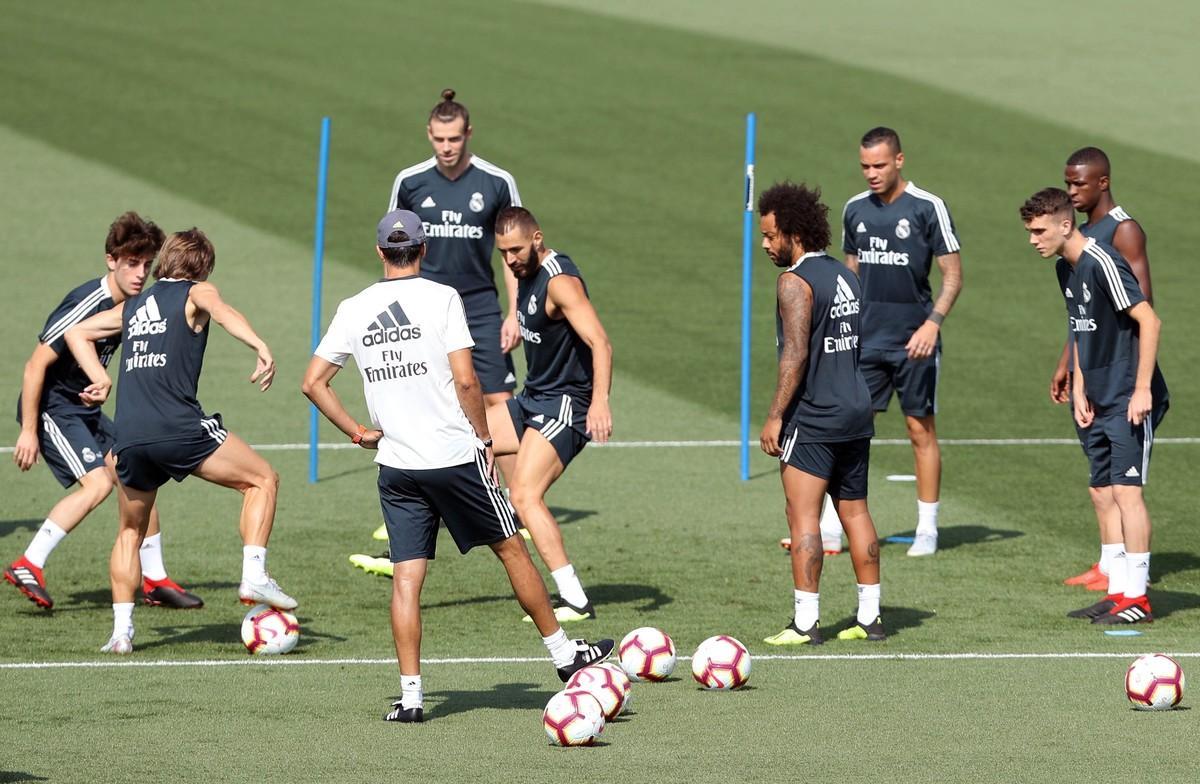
x=626 y=683
x=721 y=662
x=573 y=717
x=647 y=654
x=610 y=686
x=1154 y=682
x=267 y=631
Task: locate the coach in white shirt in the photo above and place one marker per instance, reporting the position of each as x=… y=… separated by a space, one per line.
x=409 y=338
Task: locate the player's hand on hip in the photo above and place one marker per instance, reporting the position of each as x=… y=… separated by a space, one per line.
x=923 y=341
x=489 y=460
x=1060 y=385
x=25 y=453
x=264 y=369
x=769 y=440
x=370 y=439
x=510 y=333
x=599 y=421
x=1140 y=403
x=1084 y=415
x=95 y=394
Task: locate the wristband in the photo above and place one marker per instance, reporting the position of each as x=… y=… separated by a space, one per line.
x=487 y=443
x=357 y=437
x=936 y=318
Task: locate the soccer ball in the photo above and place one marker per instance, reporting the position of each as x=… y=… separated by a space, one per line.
x=573 y=717
x=610 y=687
x=1154 y=682
x=647 y=654
x=267 y=631
x=626 y=683
x=721 y=662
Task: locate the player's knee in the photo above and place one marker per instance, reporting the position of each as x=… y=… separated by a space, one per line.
x=523 y=497
x=921 y=431
x=1128 y=497
x=266 y=480
x=96 y=488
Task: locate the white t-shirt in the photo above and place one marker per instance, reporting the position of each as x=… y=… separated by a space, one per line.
x=400 y=332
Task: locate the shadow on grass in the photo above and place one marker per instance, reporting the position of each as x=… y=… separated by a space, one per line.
x=952 y=536
x=505 y=696
x=6 y=528
x=649 y=597
x=102 y=597
x=895 y=621
x=1165 y=603
x=7 y=776
x=568 y=516
x=1163 y=564
x=222 y=633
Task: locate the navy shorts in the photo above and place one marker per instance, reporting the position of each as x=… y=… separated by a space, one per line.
x=562 y=419
x=73 y=444
x=844 y=464
x=1117 y=450
x=493 y=367
x=914 y=380
x=473 y=508
x=147 y=467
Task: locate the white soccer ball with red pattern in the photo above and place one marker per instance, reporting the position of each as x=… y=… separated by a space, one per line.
x=573 y=717
x=626 y=683
x=267 y=631
x=608 y=686
x=647 y=654
x=721 y=662
x=1154 y=682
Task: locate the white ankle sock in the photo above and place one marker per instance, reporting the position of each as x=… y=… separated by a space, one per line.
x=44 y=542
x=808 y=609
x=927 y=514
x=254 y=563
x=411 y=694
x=1118 y=569
x=868 y=603
x=569 y=586
x=151 y=558
x=1107 y=551
x=1138 y=574
x=562 y=652
x=122 y=619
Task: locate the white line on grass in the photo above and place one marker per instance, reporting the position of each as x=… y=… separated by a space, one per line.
x=291 y=662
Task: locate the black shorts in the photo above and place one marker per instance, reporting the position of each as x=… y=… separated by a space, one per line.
x=1118 y=451
x=844 y=464
x=73 y=444
x=914 y=380
x=562 y=419
x=494 y=367
x=147 y=467
x=473 y=508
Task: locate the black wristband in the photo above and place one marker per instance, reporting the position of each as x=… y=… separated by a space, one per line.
x=936 y=318
x=487 y=443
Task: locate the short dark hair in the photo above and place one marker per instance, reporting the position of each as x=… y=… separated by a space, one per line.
x=187 y=255
x=132 y=236
x=881 y=135
x=1048 y=201
x=449 y=110
x=798 y=212
x=1090 y=156
x=511 y=218
x=401 y=257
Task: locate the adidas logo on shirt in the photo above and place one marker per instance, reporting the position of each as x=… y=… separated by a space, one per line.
x=147 y=320
x=844 y=301
x=861 y=228
x=1132 y=473
x=429 y=202
x=391 y=326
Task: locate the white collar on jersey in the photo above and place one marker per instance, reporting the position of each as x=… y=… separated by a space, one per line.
x=104 y=287
x=808 y=255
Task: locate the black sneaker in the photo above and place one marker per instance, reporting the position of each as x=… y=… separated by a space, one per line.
x=872 y=631
x=1093 y=611
x=403 y=714
x=586 y=653
x=29 y=580
x=168 y=593
x=1128 y=610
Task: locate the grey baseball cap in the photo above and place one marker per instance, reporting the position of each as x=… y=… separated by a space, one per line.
x=400 y=220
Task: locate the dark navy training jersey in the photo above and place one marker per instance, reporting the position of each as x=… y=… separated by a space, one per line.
x=832 y=402
x=160 y=367
x=558 y=361
x=64 y=379
x=460 y=222
x=1099 y=292
x=896 y=244
x=1105 y=228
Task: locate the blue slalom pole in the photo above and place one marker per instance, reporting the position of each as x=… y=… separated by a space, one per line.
x=747 y=242
x=318 y=276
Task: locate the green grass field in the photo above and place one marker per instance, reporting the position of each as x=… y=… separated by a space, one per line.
x=624 y=132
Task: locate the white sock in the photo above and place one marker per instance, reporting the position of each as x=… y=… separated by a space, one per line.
x=927 y=513
x=808 y=609
x=1118 y=570
x=254 y=564
x=1138 y=566
x=831 y=526
x=868 y=603
x=44 y=542
x=411 y=694
x=1107 y=552
x=569 y=586
x=562 y=651
x=122 y=619
x=151 y=557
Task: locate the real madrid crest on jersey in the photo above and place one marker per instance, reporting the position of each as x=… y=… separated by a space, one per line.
x=476 y=203
x=903 y=229
x=1087 y=295
x=532 y=304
